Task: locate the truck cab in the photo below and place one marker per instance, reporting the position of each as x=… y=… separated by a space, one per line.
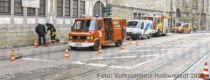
x=94 y=32
x=137 y=29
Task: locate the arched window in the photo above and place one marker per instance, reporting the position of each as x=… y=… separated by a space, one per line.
x=98 y=9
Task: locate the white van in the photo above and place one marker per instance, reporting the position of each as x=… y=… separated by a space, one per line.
x=137 y=29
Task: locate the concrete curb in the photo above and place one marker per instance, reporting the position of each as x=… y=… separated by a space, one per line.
x=30 y=51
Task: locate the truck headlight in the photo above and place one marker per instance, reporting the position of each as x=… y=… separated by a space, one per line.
x=90 y=37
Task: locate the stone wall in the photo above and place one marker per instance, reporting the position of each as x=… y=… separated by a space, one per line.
x=18 y=35
x=128 y=12
x=122 y=13
x=20 y=30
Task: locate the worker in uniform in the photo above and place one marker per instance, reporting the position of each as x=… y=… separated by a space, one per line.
x=41 y=31
x=51 y=28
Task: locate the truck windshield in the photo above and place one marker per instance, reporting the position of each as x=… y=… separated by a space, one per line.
x=84 y=25
x=178 y=24
x=147 y=18
x=132 y=24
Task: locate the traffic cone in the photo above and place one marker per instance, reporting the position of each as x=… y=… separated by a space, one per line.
x=130 y=41
x=100 y=51
x=137 y=42
x=122 y=46
x=48 y=43
x=66 y=53
x=36 y=44
x=12 y=56
x=205 y=73
x=61 y=41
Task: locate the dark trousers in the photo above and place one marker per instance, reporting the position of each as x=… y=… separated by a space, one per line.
x=52 y=37
x=43 y=38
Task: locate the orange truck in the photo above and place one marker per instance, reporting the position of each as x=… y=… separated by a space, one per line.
x=94 y=32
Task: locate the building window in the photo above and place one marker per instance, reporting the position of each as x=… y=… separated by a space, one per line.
x=18 y=9
x=139 y=16
x=42 y=7
x=75 y=8
x=134 y=15
x=30 y=11
x=5 y=7
x=82 y=8
x=68 y=8
x=59 y=7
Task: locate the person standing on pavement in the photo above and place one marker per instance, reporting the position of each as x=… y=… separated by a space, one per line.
x=41 y=31
x=51 y=28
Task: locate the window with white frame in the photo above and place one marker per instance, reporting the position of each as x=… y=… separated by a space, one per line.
x=5 y=6
x=18 y=9
x=59 y=7
x=31 y=11
x=75 y=8
x=82 y=8
x=68 y=8
x=42 y=7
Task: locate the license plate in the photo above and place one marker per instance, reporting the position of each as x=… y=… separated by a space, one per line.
x=78 y=44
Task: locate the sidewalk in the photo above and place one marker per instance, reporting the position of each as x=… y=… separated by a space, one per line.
x=30 y=50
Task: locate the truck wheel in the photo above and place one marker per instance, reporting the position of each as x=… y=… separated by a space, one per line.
x=132 y=38
x=96 y=46
x=158 y=34
x=164 y=34
x=189 y=31
x=149 y=37
x=139 y=37
x=73 y=48
x=118 y=43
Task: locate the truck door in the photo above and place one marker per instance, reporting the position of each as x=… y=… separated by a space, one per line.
x=117 y=31
x=108 y=28
x=142 y=28
x=100 y=30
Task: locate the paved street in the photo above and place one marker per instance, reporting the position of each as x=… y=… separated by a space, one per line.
x=158 y=58
x=105 y=39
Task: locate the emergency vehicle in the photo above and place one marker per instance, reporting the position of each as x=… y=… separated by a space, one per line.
x=93 y=32
x=182 y=28
x=160 y=25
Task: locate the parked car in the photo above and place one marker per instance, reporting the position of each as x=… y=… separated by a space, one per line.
x=182 y=28
x=137 y=29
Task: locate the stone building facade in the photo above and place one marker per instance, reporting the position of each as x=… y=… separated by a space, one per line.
x=17 y=23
